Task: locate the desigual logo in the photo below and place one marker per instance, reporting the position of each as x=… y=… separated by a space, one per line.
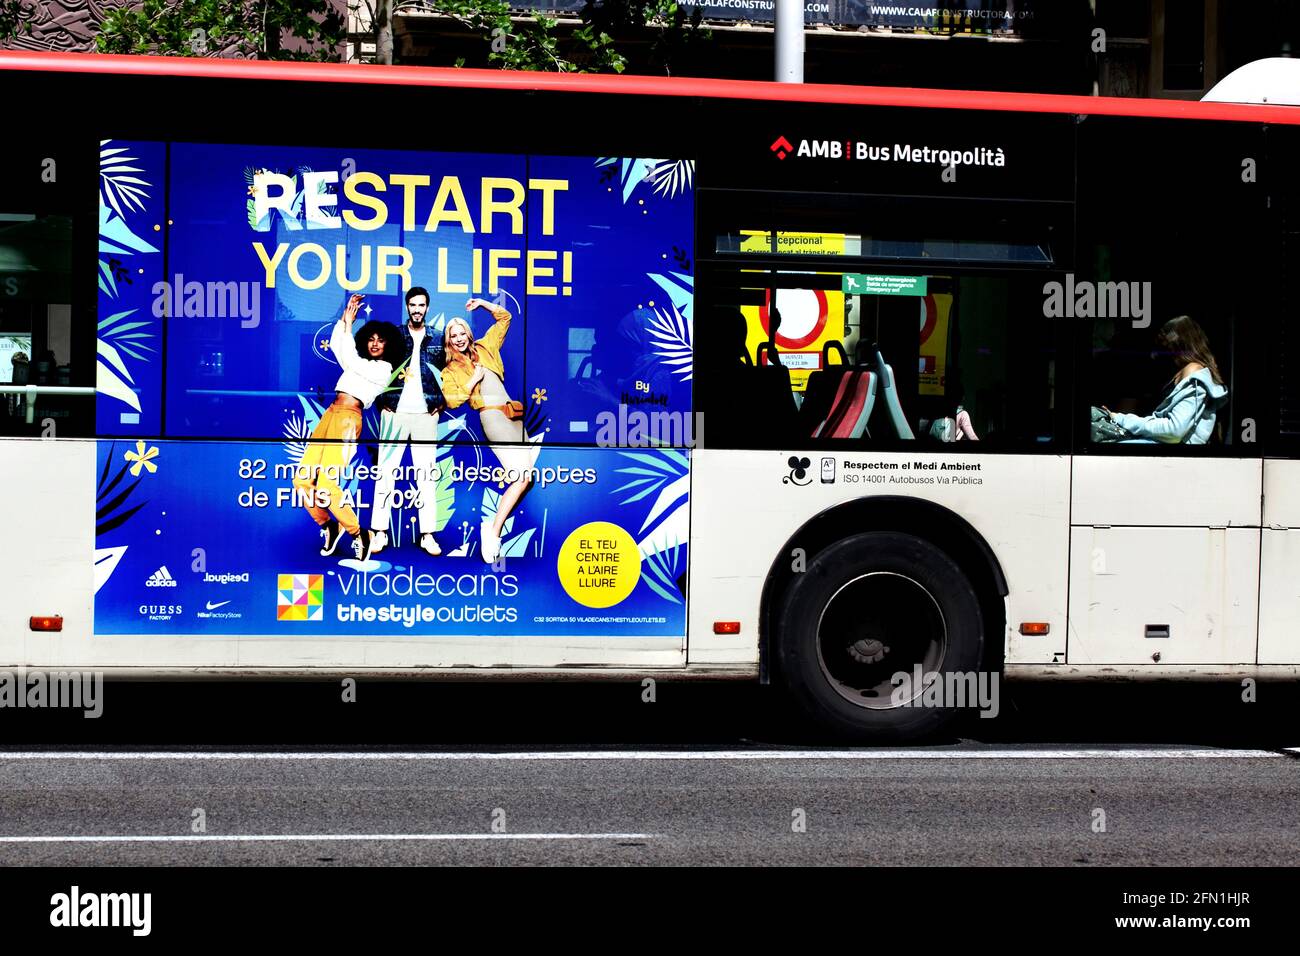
x=227 y=578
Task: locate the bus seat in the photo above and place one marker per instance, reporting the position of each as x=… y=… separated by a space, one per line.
x=839 y=398
x=772 y=396
x=892 y=405
x=855 y=397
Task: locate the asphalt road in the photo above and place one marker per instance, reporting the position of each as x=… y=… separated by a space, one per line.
x=706 y=774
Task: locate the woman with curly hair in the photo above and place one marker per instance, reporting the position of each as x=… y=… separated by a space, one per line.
x=368 y=359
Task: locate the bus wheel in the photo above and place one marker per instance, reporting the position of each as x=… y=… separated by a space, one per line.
x=868 y=632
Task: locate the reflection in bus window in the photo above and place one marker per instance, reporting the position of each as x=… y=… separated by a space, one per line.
x=36 y=327
x=932 y=361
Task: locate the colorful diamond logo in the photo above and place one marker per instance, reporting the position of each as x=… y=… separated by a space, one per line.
x=300 y=597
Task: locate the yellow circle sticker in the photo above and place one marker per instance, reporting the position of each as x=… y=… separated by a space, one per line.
x=599 y=564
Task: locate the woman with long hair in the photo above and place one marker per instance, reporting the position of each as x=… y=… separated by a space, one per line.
x=474 y=373
x=1186 y=414
x=368 y=359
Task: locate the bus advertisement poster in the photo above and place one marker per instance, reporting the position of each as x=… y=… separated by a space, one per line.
x=502 y=425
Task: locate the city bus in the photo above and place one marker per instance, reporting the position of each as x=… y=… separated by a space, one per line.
x=879 y=395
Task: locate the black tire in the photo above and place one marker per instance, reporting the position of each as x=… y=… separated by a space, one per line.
x=865 y=609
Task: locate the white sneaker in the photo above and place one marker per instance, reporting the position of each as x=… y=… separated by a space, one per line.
x=430 y=544
x=490 y=542
x=378 y=541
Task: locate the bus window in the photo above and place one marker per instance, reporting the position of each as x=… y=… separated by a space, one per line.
x=862 y=360
x=36 y=345
x=1172 y=266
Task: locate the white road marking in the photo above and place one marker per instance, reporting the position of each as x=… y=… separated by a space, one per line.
x=899 y=753
x=288 y=837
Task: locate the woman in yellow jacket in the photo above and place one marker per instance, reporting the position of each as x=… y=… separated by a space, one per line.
x=474 y=373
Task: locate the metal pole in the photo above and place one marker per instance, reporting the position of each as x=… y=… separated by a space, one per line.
x=789 y=41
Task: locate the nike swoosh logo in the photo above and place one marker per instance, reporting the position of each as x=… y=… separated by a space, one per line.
x=213 y=607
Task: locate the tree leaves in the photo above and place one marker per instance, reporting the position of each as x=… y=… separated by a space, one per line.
x=215 y=27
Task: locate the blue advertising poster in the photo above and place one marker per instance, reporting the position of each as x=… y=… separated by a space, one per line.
x=214 y=544
x=408 y=393
x=132 y=219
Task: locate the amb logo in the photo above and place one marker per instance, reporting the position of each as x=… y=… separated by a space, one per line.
x=300 y=597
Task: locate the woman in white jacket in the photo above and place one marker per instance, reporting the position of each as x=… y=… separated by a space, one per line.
x=367 y=359
x=1186 y=413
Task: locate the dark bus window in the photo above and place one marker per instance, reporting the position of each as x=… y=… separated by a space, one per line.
x=1173 y=268
x=36 y=346
x=962 y=363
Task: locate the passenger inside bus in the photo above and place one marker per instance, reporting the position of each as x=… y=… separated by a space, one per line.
x=1187 y=409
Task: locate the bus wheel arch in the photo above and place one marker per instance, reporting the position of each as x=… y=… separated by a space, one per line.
x=928 y=520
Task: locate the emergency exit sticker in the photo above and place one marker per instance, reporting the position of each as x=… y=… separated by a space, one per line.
x=858 y=284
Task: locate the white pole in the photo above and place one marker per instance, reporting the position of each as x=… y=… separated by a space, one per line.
x=789 y=41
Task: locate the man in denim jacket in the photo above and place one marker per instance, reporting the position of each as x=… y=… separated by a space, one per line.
x=409 y=415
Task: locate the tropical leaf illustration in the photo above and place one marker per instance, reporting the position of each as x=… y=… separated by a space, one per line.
x=667 y=498
x=118 y=188
x=517 y=547
x=445 y=491
x=107 y=282
x=680 y=288
x=652 y=471
x=675 y=527
x=667 y=472
x=632 y=172
x=312 y=411
x=116 y=237
x=535 y=420
x=111 y=512
x=492 y=501
x=662 y=577
x=297 y=433
x=110 y=373
x=671 y=176
x=671 y=334
x=106 y=561
x=128 y=337
x=397 y=373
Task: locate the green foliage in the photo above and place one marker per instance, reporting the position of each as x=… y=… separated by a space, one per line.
x=671 y=35
x=527 y=45
x=519 y=44
x=207 y=27
x=660 y=28
x=15 y=18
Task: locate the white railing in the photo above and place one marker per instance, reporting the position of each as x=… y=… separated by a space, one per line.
x=32 y=391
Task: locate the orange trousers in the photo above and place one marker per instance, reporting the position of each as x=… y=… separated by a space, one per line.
x=316 y=477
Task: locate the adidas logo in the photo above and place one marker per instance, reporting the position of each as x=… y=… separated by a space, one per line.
x=162 y=578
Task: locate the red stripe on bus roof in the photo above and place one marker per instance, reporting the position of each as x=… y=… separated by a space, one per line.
x=210 y=68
